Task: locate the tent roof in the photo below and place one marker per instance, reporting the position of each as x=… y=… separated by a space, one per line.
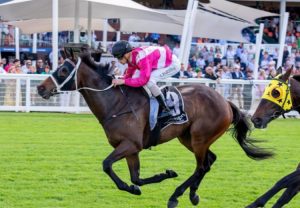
x=236 y=11
x=216 y=27
x=35 y=9
x=65 y=24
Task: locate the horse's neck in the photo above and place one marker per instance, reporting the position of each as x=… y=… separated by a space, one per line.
x=102 y=104
x=295 y=93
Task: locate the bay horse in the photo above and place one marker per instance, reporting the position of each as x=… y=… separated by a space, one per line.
x=284 y=89
x=123 y=113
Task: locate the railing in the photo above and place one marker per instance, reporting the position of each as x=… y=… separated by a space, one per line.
x=18 y=93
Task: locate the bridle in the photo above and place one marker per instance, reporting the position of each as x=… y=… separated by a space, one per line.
x=73 y=77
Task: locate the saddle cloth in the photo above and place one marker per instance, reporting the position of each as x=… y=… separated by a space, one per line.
x=175 y=103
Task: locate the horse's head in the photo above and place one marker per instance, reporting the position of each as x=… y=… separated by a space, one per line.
x=275 y=101
x=64 y=77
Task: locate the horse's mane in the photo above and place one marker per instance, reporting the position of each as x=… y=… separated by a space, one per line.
x=297 y=77
x=102 y=69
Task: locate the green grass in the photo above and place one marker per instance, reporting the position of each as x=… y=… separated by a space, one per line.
x=55 y=160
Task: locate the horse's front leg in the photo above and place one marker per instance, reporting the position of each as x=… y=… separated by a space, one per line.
x=134 y=168
x=124 y=149
x=287 y=196
x=285 y=182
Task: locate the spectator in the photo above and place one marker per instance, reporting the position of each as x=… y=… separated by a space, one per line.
x=134 y=38
x=4 y=62
x=265 y=61
x=237 y=88
x=226 y=74
x=191 y=73
x=200 y=74
x=218 y=59
x=251 y=53
x=2 y=71
x=286 y=54
x=261 y=87
x=230 y=56
x=40 y=68
x=155 y=37
x=201 y=63
x=247 y=91
x=272 y=74
x=275 y=55
x=10 y=63
x=182 y=74
x=176 y=50
x=147 y=38
x=209 y=74
x=193 y=61
x=26 y=67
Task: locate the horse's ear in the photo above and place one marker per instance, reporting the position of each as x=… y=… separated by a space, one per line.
x=96 y=55
x=68 y=52
x=279 y=71
x=287 y=74
x=85 y=48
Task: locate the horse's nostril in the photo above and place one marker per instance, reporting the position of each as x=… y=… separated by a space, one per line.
x=257 y=121
x=40 y=88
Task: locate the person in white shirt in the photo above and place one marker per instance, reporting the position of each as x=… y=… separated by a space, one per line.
x=176 y=50
x=2 y=71
x=26 y=67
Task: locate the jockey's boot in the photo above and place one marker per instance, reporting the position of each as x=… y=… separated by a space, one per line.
x=165 y=109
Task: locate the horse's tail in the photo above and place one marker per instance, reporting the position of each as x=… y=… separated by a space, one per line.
x=240 y=132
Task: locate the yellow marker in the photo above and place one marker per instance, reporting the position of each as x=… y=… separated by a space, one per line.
x=279 y=93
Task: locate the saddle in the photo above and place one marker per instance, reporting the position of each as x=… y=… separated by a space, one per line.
x=175 y=102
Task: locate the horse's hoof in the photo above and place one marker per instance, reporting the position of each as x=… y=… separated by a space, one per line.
x=195 y=199
x=171 y=173
x=135 y=190
x=253 y=205
x=172 y=204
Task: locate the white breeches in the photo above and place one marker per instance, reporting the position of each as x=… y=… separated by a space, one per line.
x=159 y=74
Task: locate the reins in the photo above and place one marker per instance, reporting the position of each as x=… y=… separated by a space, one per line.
x=74 y=73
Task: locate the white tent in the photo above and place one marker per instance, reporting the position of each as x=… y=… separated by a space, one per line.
x=36 y=9
x=65 y=24
x=235 y=11
x=218 y=19
x=207 y=25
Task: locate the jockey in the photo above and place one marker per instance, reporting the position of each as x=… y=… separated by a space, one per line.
x=146 y=65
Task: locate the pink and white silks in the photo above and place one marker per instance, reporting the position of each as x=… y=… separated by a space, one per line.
x=149 y=64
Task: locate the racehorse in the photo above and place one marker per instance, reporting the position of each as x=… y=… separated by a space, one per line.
x=285 y=89
x=123 y=113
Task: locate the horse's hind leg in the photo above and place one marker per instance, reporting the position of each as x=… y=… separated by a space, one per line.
x=209 y=160
x=200 y=156
x=134 y=168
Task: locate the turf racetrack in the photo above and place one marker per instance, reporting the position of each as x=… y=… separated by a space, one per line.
x=55 y=160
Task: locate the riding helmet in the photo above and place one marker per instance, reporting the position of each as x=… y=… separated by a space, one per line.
x=120 y=48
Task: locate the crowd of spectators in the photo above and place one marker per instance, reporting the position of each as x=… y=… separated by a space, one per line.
x=14 y=66
x=203 y=59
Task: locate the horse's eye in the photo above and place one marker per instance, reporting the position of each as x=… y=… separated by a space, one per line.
x=275 y=93
x=63 y=72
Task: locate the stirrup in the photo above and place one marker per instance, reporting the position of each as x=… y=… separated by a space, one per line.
x=164 y=114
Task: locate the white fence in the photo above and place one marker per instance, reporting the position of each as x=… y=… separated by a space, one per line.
x=18 y=93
